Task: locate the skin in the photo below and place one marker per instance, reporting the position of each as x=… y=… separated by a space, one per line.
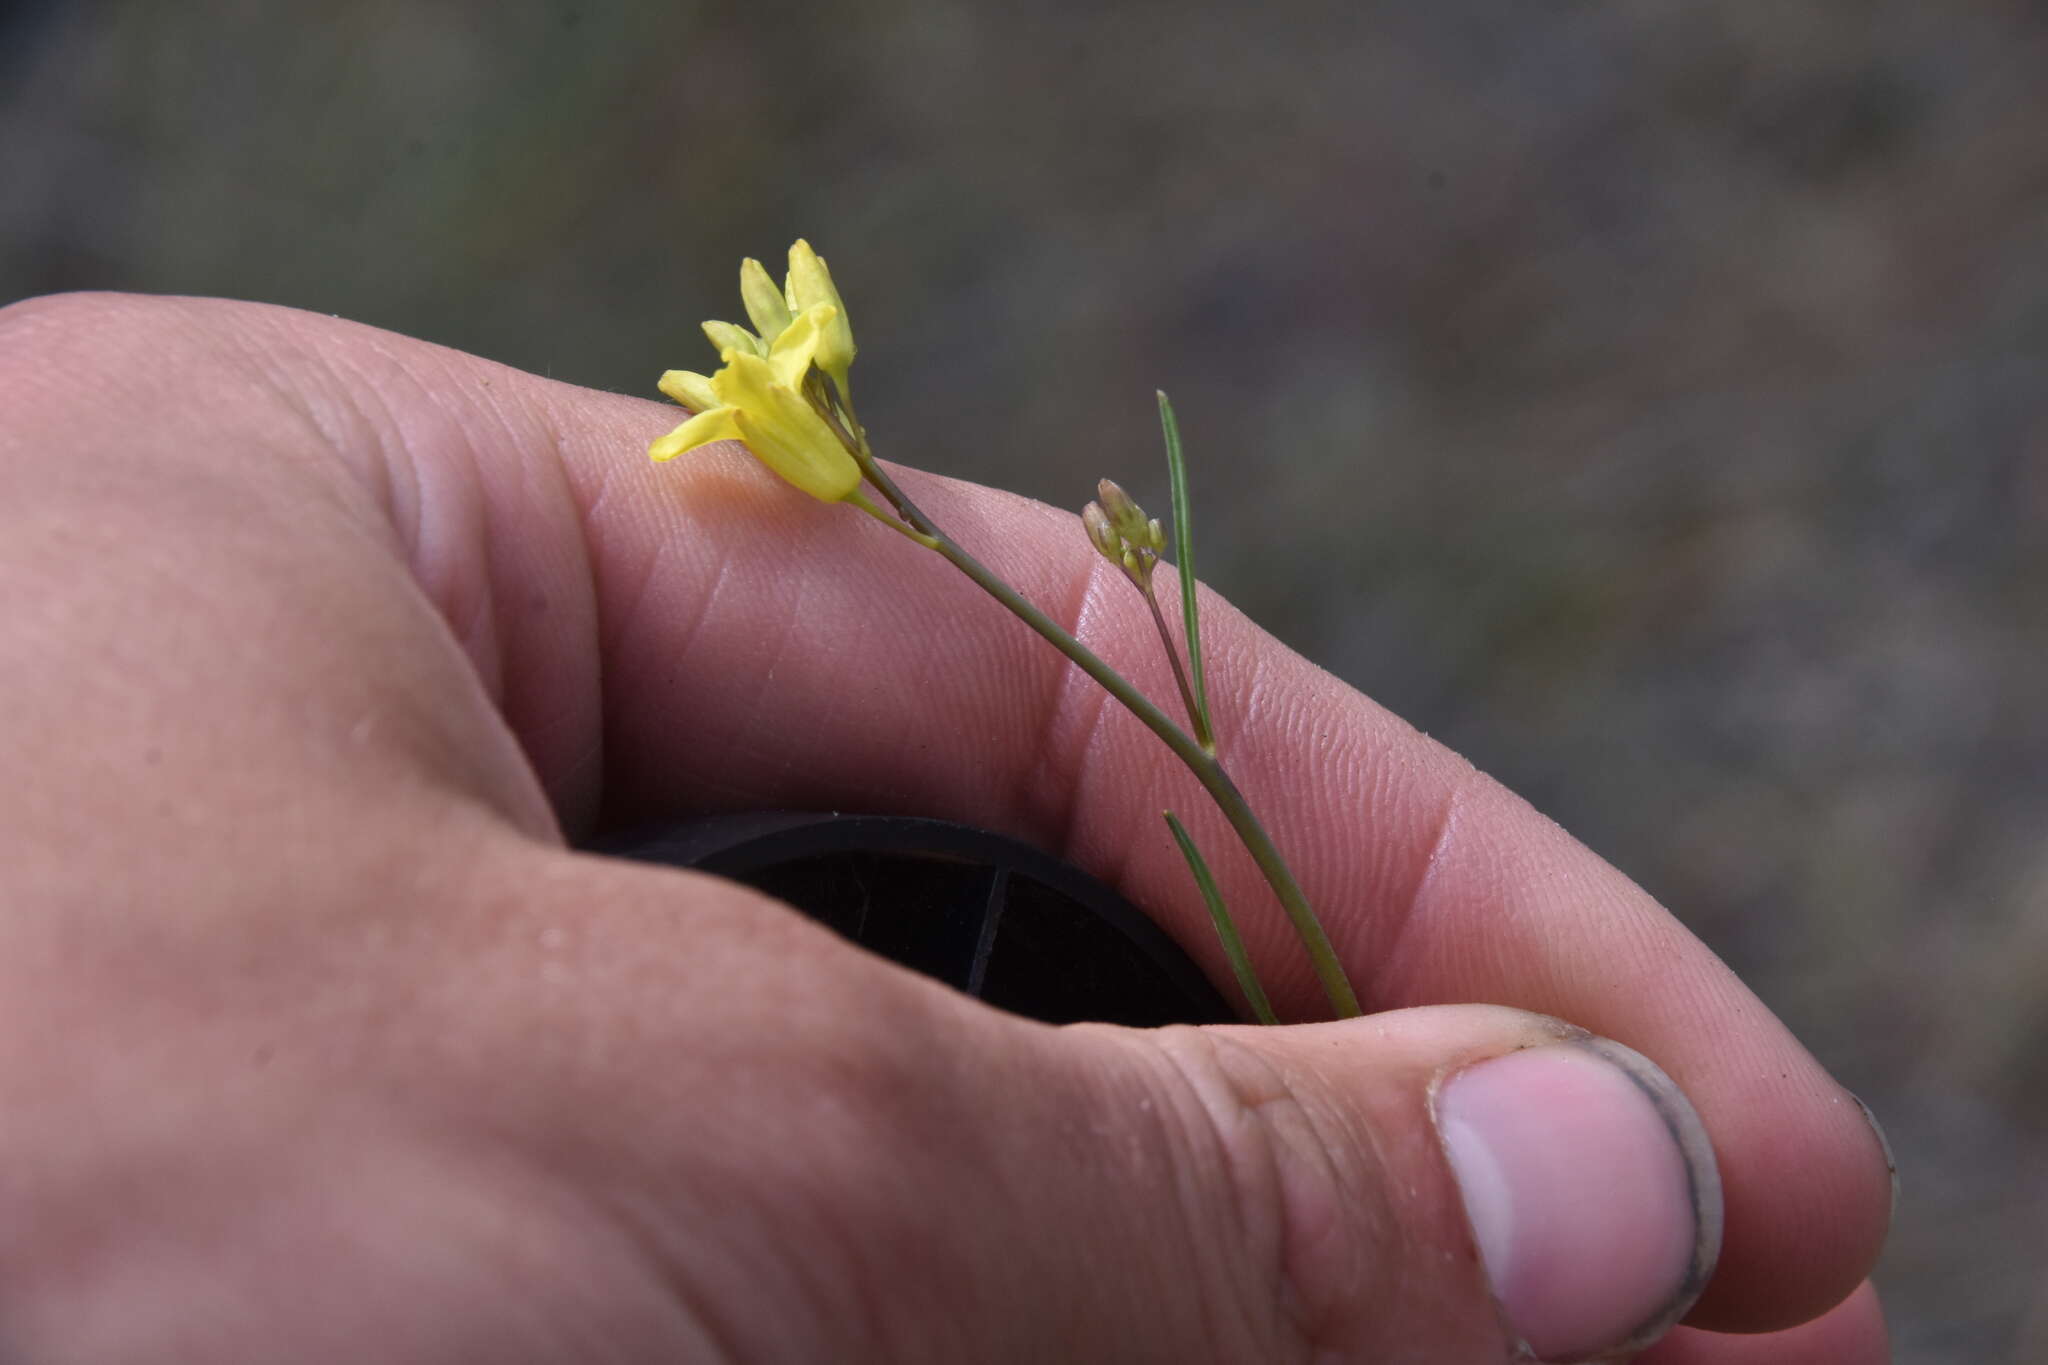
x=317 y=1042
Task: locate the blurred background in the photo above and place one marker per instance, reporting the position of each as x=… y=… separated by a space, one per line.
x=1649 y=400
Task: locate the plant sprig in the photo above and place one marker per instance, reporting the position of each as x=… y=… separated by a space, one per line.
x=782 y=390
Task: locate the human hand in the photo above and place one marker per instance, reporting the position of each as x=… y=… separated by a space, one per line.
x=317 y=1044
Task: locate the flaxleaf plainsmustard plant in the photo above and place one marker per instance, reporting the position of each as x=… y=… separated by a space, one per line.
x=783 y=391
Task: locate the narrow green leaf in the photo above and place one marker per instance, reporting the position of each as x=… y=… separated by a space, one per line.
x=1226 y=929
x=1184 y=561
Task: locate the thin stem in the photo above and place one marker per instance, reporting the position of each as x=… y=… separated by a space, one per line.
x=1180 y=677
x=858 y=499
x=1207 y=770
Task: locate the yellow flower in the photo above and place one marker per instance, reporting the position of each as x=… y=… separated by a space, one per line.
x=760 y=401
x=760 y=395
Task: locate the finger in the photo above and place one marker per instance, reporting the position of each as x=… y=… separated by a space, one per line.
x=701 y=637
x=1851 y=1333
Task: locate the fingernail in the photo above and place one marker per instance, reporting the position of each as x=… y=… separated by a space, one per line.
x=1591 y=1190
x=1884 y=1144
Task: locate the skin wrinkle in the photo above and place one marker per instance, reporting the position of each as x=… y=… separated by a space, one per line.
x=262 y=366
x=611 y=624
x=1083 y=750
x=1252 y=703
x=461 y=551
x=534 y=451
x=457 y=546
x=1384 y=967
x=697 y=1307
x=1218 y=1074
x=1061 y=686
x=451 y=521
x=458 y=576
x=391 y=478
x=338 y=425
x=590 y=507
x=546 y=613
x=628 y=1249
x=376 y=478
x=744 y=741
x=1184 y=1147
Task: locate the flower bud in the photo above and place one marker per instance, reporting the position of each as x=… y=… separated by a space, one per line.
x=1125 y=515
x=810 y=284
x=766 y=307
x=1107 y=542
x=730 y=336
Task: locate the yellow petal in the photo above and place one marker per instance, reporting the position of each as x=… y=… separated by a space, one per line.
x=744 y=381
x=766 y=307
x=790 y=356
x=730 y=336
x=691 y=389
x=713 y=424
x=785 y=432
x=821 y=468
x=810 y=284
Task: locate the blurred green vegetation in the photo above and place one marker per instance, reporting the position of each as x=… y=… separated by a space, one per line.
x=1647 y=400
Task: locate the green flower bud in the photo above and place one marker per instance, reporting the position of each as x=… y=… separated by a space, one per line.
x=1125 y=515
x=1107 y=542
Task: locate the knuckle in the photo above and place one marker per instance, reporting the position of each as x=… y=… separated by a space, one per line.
x=1298 y=1208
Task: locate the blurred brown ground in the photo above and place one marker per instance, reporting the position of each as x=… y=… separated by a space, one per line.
x=1649 y=400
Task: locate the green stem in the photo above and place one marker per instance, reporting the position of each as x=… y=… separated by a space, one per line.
x=1205 y=766
x=1180 y=677
x=858 y=499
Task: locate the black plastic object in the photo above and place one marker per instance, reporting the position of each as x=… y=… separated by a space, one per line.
x=988 y=915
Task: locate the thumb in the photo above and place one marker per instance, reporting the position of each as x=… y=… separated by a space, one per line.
x=1442 y=1184
x=829 y=1157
